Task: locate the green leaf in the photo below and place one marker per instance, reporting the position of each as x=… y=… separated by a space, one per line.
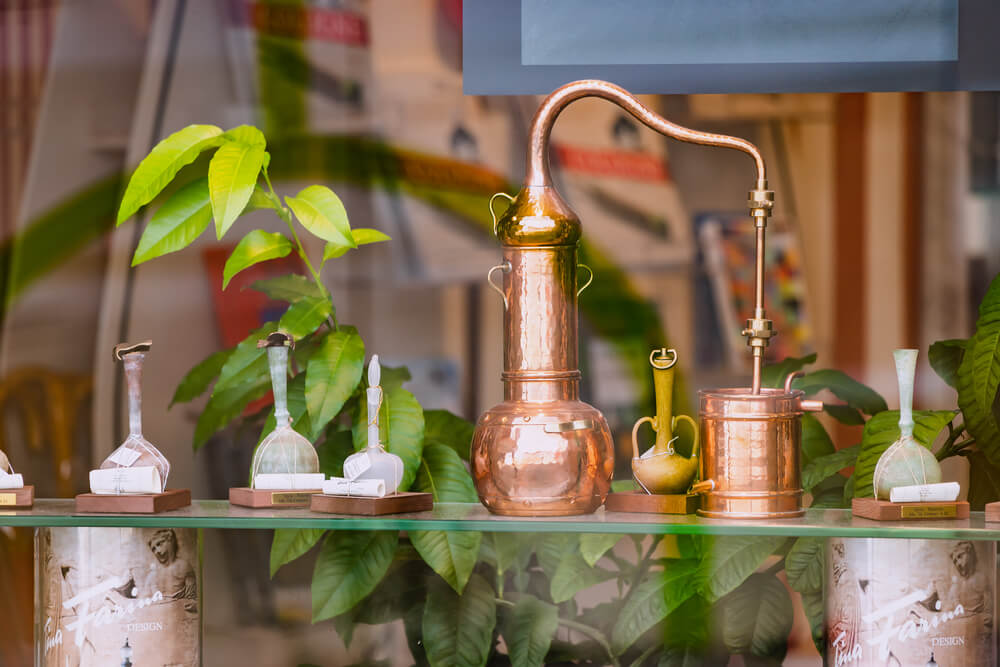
x=595 y=545
x=845 y=414
x=458 y=629
x=946 y=356
x=573 y=575
x=512 y=550
x=529 y=632
x=248 y=135
x=730 y=560
x=775 y=374
x=680 y=656
x=288 y=288
x=757 y=618
x=333 y=250
x=844 y=387
x=450 y=430
x=551 y=547
x=232 y=177
x=349 y=566
x=198 y=378
x=401 y=428
x=333 y=451
x=816 y=441
x=332 y=374
x=291 y=543
x=364 y=236
x=257 y=246
x=804 y=567
x=882 y=430
x=163 y=162
x=247 y=362
x=305 y=316
x=452 y=554
x=984 y=481
x=828 y=465
x=979 y=376
x=177 y=223
x=658 y=594
x=815 y=609
x=320 y=211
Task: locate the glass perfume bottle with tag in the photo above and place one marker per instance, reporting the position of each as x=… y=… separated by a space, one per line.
x=136 y=451
x=374 y=462
x=284 y=451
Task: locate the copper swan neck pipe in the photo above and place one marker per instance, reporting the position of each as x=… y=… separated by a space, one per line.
x=541 y=126
x=758 y=329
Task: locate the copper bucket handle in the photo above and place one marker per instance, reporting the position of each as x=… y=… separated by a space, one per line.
x=493 y=213
x=505 y=267
x=589 y=280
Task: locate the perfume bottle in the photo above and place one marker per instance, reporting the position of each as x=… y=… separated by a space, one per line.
x=284 y=450
x=374 y=462
x=136 y=451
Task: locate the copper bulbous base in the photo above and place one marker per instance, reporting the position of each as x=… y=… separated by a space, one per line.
x=546 y=458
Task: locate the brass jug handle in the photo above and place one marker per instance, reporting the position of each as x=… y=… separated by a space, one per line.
x=589 y=280
x=635 y=433
x=694 y=431
x=493 y=213
x=505 y=267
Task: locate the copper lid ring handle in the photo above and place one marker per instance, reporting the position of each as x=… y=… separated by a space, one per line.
x=505 y=267
x=590 y=271
x=493 y=213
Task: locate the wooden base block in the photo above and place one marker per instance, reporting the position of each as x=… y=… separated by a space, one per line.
x=271 y=498
x=883 y=510
x=358 y=505
x=640 y=501
x=146 y=503
x=993 y=512
x=23 y=497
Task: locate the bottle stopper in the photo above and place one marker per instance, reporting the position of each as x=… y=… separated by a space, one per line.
x=122 y=349
x=277 y=339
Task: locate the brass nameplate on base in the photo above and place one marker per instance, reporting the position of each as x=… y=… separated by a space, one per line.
x=884 y=510
x=357 y=505
x=23 y=497
x=270 y=498
x=140 y=503
x=640 y=501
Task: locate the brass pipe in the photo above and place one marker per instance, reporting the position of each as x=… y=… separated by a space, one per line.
x=758 y=329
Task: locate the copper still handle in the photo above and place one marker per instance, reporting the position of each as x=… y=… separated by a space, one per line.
x=758 y=329
x=590 y=271
x=806 y=404
x=505 y=267
x=493 y=213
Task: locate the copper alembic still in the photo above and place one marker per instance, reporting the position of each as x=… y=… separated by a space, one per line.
x=543 y=451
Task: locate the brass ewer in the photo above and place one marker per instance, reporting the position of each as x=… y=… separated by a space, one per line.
x=542 y=451
x=662 y=469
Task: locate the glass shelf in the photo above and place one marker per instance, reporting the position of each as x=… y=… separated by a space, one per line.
x=473 y=516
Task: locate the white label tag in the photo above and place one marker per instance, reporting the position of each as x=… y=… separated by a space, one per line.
x=356 y=464
x=124 y=457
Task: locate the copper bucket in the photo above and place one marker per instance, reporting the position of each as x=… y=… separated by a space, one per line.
x=750 y=452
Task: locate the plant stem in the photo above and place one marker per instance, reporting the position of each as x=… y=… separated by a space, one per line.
x=645 y=654
x=582 y=628
x=950 y=448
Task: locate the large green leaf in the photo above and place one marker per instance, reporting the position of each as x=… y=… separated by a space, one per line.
x=333 y=373
x=291 y=543
x=945 y=357
x=225 y=405
x=452 y=554
x=979 y=377
x=320 y=211
x=845 y=414
x=163 y=162
x=804 y=564
x=305 y=316
x=573 y=575
x=816 y=441
x=198 y=378
x=882 y=430
x=288 y=288
x=814 y=607
x=730 y=560
x=401 y=428
x=680 y=656
x=658 y=594
x=177 y=223
x=257 y=246
x=361 y=236
x=774 y=374
x=247 y=361
x=512 y=551
x=984 y=481
x=757 y=617
x=332 y=452
x=247 y=135
x=458 y=629
x=232 y=177
x=529 y=631
x=447 y=429
x=844 y=387
x=825 y=466
x=349 y=566
x=551 y=547
x=595 y=545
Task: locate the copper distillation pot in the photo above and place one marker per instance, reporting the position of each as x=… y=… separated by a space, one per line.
x=543 y=451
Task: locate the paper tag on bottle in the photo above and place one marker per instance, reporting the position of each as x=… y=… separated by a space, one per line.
x=124 y=457
x=354 y=466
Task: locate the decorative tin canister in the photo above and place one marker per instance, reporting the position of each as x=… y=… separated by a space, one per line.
x=910 y=603
x=113 y=596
